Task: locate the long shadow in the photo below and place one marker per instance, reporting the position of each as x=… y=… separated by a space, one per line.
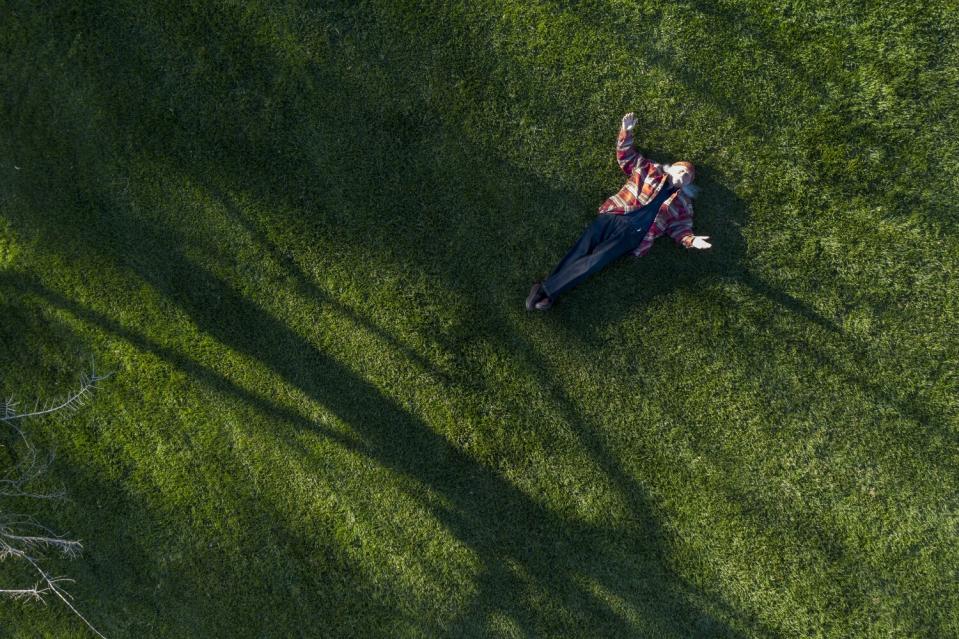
x=308 y=289
x=630 y=491
x=500 y=523
x=23 y=285
x=523 y=545
x=497 y=578
x=504 y=526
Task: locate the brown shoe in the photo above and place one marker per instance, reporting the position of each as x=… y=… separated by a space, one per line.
x=535 y=295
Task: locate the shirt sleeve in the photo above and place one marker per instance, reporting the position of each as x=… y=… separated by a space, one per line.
x=627 y=156
x=645 y=245
x=680 y=226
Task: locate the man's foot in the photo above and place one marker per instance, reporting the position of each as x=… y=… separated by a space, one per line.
x=544 y=304
x=535 y=295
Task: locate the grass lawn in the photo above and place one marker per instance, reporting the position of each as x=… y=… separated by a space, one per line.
x=300 y=235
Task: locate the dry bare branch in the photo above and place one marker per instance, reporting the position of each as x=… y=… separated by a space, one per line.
x=19 y=540
x=88 y=383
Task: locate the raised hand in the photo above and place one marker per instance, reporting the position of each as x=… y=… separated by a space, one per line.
x=629 y=121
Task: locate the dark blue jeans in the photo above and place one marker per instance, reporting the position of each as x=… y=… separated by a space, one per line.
x=606 y=239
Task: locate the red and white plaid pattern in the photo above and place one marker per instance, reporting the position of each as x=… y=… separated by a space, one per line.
x=646 y=178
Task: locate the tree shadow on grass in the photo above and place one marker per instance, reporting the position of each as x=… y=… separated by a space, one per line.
x=24 y=286
x=307 y=288
x=503 y=568
x=510 y=572
x=525 y=548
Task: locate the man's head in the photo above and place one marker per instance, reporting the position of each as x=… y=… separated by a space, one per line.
x=681 y=173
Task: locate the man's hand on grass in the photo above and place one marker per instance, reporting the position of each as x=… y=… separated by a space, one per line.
x=629 y=121
x=700 y=242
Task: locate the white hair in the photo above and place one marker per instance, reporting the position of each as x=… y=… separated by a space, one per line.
x=690 y=190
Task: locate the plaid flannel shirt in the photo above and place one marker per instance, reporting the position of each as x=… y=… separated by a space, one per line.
x=646 y=178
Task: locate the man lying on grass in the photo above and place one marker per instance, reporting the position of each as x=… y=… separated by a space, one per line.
x=656 y=199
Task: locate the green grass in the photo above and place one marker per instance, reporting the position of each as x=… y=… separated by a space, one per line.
x=301 y=237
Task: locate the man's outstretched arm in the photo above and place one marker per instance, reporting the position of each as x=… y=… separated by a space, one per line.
x=627 y=156
x=681 y=230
